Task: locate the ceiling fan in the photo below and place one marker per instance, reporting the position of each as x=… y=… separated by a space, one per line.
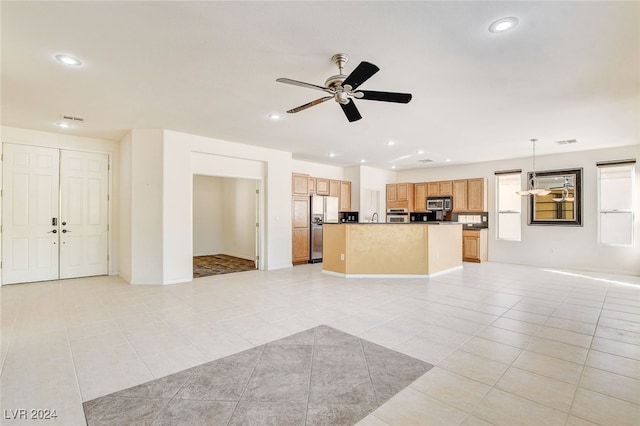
x=344 y=88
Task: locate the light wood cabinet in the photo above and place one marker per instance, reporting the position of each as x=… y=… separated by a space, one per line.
x=322 y=186
x=334 y=188
x=299 y=184
x=400 y=195
x=469 y=195
x=474 y=245
x=420 y=197
x=312 y=185
x=476 y=200
x=300 y=247
x=439 y=188
x=345 y=196
x=300 y=229
x=444 y=187
x=392 y=193
x=459 y=195
x=433 y=189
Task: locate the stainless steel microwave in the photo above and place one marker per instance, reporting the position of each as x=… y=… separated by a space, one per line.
x=439 y=203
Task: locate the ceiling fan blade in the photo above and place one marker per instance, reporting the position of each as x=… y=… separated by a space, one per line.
x=303 y=84
x=351 y=111
x=362 y=73
x=371 y=95
x=310 y=104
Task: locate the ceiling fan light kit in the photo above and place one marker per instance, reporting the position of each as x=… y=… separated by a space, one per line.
x=532 y=184
x=344 y=88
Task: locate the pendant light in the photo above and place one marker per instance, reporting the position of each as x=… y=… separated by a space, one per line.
x=532 y=184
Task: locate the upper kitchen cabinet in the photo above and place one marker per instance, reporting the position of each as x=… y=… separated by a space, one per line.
x=420 y=197
x=322 y=186
x=459 y=195
x=400 y=195
x=440 y=188
x=476 y=195
x=299 y=184
x=334 y=188
x=312 y=185
x=469 y=195
x=345 y=196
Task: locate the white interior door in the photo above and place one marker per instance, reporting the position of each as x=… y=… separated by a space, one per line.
x=30 y=177
x=84 y=191
x=54 y=214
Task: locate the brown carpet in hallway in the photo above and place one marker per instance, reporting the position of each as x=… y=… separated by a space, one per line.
x=217 y=264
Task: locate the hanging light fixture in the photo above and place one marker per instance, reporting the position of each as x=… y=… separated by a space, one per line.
x=532 y=185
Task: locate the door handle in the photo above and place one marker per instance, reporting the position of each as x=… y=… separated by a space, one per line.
x=64 y=231
x=55 y=231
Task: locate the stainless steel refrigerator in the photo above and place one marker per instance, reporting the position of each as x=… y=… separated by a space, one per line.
x=323 y=210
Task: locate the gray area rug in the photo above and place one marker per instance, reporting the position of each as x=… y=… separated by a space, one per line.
x=321 y=376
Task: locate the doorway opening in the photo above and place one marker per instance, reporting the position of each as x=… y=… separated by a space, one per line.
x=225 y=225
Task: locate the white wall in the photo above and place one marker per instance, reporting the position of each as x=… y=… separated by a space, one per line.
x=373 y=179
x=208 y=215
x=147 y=213
x=224 y=216
x=552 y=246
x=177 y=159
x=239 y=210
x=124 y=215
x=317 y=170
x=70 y=142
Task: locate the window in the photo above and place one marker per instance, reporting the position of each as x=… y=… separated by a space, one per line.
x=509 y=205
x=615 y=203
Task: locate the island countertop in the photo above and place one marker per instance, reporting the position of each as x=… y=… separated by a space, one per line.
x=391 y=249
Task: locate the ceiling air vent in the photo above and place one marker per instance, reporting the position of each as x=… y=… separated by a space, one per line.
x=565 y=142
x=426 y=160
x=72 y=118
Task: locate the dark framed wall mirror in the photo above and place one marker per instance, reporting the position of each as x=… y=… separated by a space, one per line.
x=562 y=206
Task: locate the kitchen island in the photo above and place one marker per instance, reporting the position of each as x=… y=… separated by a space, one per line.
x=380 y=250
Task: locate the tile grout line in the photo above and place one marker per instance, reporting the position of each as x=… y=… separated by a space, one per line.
x=313 y=350
x=248 y=379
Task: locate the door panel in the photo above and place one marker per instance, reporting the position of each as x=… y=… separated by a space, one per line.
x=84 y=188
x=29 y=203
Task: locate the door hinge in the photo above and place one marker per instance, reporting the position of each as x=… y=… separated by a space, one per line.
x=107 y=197
x=107 y=257
x=107 y=227
x=257 y=257
x=257 y=191
x=257 y=224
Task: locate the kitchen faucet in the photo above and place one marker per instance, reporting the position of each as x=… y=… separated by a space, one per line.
x=374 y=216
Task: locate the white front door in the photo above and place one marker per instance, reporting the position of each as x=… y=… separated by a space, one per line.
x=55 y=214
x=84 y=186
x=30 y=179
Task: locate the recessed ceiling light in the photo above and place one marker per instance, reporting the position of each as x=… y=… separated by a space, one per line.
x=363 y=161
x=64 y=125
x=69 y=60
x=393 y=167
x=420 y=151
x=391 y=143
x=448 y=160
x=331 y=154
x=274 y=116
x=503 y=24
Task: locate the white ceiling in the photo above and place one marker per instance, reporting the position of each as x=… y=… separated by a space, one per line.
x=570 y=70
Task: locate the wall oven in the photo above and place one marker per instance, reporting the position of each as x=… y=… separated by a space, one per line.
x=397 y=216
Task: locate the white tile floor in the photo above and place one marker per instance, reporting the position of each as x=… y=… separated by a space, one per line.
x=511 y=344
